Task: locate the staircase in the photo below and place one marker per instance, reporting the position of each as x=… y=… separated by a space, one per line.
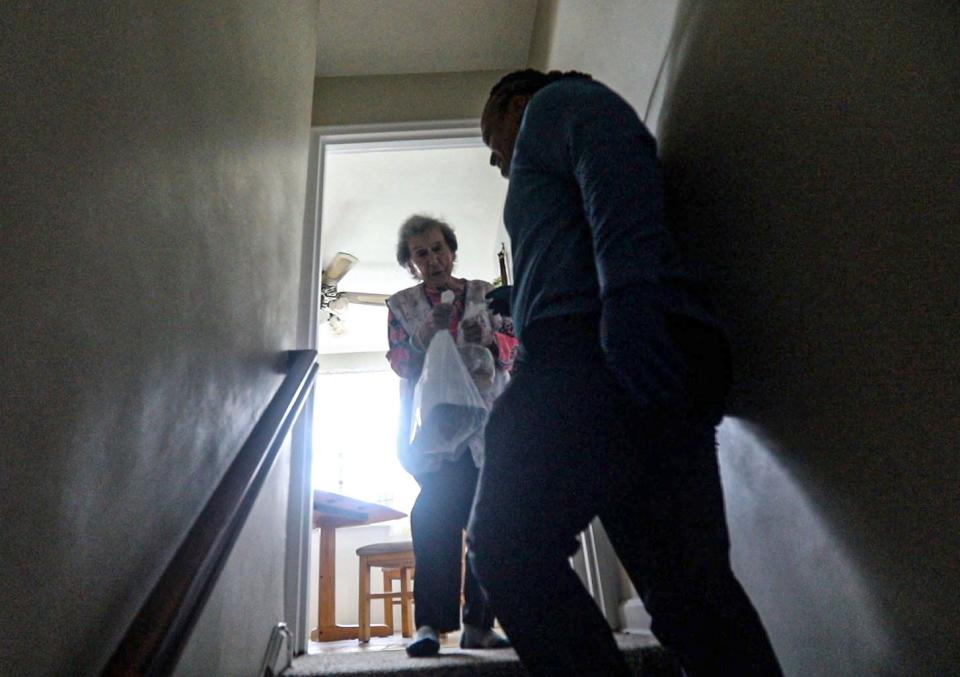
x=643 y=653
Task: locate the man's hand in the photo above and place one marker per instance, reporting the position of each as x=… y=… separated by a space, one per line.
x=499 y=300
x=642 y=353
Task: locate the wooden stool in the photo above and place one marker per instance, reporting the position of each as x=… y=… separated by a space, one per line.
x=398 y=562
x=389 y=576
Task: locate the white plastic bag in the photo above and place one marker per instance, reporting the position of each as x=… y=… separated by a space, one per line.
x=447 y=407
x=496 y=388
x=480 y=363
x=476 y=357
x=476 y=310
x=481 y=366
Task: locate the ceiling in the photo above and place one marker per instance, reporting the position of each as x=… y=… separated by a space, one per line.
x=383 y=37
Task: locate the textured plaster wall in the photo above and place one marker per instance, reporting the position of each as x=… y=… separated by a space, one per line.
x=154 y=167
x=810 y=150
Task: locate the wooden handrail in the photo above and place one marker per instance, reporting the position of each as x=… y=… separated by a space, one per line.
x=156 y=637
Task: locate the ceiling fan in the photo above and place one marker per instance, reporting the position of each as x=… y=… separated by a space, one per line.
x=334 y=303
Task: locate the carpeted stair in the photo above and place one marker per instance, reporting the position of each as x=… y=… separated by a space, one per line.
x=645 y=656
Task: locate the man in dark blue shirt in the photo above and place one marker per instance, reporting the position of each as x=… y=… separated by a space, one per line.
x=613 y=410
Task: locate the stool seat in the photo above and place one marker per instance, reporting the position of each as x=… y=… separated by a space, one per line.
x=386 y=548
x=397 y=562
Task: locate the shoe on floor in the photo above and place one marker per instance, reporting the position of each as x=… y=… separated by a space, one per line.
x=425 y=643
x=473 y=637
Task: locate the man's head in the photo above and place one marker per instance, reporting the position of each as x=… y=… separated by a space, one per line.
x=503 y=112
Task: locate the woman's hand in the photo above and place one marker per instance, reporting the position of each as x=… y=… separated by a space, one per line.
x=439 y=319
x=476 y=330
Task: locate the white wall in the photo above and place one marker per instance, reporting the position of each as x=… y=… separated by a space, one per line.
x=809 y=150
x=151 y=209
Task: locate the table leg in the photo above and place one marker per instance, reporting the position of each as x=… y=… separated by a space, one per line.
x=327 y=613
x=327 y=595
x=327 y=629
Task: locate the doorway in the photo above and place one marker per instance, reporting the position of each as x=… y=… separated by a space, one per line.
x=364 y=182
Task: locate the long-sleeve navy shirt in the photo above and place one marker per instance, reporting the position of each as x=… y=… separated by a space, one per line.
x=584 y=208
x=585 y=214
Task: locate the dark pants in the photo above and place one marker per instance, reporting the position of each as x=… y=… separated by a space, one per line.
x=564 y=444
x=437 y=520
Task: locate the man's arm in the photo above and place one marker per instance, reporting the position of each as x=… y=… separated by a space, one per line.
x=613 y=159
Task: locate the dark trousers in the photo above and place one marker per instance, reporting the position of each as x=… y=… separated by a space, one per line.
x=437 y=521
x=564 y=444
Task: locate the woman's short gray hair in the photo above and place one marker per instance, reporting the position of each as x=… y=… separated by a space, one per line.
x=418 y=224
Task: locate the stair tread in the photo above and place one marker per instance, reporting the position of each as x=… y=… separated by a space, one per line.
x=644 y=654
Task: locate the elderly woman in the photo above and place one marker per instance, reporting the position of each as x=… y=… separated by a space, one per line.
x=428 y=249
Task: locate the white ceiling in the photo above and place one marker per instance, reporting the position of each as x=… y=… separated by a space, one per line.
x=380 y=37
x=367 y=196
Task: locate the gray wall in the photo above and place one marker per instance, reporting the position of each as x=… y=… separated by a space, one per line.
x=154 y=167
x=811 y=154
x=231 y=635
x=411 y=97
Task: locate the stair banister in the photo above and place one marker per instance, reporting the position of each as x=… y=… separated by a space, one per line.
x=155 y=639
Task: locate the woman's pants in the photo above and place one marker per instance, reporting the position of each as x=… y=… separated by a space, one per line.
x=437 y=520
x=564 y=444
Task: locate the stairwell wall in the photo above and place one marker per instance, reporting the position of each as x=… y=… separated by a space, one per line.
x=151 y=213
x=395 y=99
x=810 y=153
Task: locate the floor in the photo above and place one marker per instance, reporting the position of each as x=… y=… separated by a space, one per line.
x=393 y=643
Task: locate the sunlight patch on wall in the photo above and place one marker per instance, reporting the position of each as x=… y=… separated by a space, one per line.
x=806 y=584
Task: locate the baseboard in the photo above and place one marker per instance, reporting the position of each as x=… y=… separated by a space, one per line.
x=634 y=619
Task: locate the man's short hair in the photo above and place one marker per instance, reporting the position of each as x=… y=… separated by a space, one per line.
x=526 y=82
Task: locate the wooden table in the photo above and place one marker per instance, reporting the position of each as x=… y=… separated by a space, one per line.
x=330 y=512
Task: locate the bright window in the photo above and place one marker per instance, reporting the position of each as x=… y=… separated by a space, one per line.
x=355 y=439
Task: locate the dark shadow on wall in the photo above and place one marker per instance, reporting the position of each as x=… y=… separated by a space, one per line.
x=810 y=154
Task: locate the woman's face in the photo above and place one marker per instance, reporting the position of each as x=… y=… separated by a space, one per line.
x=431 y=258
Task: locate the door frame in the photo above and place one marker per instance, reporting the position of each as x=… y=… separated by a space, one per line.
x=347 y=138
